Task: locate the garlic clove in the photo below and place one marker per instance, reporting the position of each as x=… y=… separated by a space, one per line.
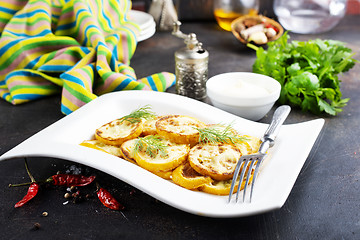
x=258 y=38
x=245 y=34
x=270 y=32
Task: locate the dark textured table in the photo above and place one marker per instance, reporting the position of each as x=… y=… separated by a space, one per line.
x=324 y=202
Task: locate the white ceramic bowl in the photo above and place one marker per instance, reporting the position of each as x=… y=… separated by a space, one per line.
x=248 y=95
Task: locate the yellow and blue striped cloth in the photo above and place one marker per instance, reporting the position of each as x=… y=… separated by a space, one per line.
x=79 y=48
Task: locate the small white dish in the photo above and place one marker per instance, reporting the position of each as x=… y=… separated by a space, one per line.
x=146 y=23
x=147 y=33
x=248 y=95
x=276 y=178
x=143 y=19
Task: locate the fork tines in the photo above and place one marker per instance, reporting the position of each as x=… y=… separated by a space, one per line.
x=244 y=167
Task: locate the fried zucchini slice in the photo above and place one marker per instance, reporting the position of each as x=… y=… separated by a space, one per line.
x=244 y=148
x=179 y=129
x=222 y=187
x=96 y=144
x=215 y=160
x=185 y=176
x=164 y=174
x=252 y=142
x=127 y=150
x=150 y=126
x=166 y=158
x=118 y=131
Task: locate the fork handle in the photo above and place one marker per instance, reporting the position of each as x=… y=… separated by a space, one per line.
x=271 y=132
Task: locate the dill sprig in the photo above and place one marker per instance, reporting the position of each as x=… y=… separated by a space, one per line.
x=152 y=144
x=141 y=113
x=219 y=133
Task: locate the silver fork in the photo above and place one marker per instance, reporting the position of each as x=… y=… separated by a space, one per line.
x=248 y=161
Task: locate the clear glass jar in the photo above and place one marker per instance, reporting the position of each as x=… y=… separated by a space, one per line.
x=225 y=11
x=309 y=16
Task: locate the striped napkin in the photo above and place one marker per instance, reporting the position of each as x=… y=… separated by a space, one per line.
x=79 y=48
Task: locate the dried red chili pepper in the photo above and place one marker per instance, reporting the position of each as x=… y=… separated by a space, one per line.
x=32 y=191
x=69 y=180
x=268 y=25
x=108 y=200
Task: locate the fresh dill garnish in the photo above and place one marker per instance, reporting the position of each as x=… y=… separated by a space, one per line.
x=219 y=133
x=152 y=145
x=141 y=113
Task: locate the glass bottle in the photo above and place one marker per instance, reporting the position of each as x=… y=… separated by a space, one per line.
x=225 y=11
x=309 y=16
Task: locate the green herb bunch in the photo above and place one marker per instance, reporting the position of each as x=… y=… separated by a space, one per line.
x=219 y=134
x=307 y=71
x=152 y=145
x=139 y=114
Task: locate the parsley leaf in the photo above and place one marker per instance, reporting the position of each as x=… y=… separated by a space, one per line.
x=307 y=71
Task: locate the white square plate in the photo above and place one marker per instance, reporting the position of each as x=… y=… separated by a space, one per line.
x=274 y=182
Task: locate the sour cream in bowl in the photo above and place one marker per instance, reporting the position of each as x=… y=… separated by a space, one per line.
x=248 y=95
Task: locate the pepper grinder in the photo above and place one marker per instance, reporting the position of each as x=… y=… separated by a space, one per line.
x=191 y=66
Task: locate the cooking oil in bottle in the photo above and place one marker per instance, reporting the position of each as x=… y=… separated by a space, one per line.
x=226 y=11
